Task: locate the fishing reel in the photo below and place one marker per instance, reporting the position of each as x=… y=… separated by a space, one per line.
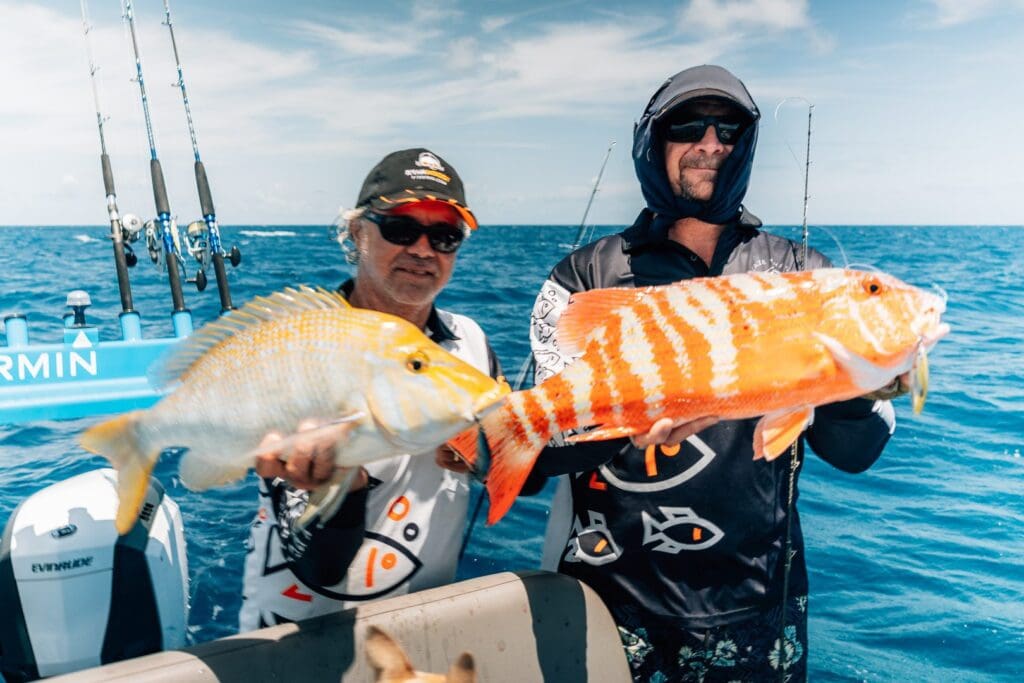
x=197 y=241
x=131 y=226
x=155 y=243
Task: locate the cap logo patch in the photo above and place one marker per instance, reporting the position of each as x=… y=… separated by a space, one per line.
x=429 y=168
x=428 y=160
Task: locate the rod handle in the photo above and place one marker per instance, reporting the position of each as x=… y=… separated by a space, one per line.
x=108 y=174
x=203 y=185
x=159 y=188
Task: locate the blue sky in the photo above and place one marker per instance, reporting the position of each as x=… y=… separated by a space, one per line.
x=915 y=121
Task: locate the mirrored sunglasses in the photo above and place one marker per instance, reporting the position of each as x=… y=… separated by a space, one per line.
x=691 y=129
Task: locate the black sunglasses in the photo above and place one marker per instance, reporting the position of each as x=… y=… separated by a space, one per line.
x=444 y=238
x=728 y=129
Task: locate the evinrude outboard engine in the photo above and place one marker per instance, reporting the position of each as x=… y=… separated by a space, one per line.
x=73 y=594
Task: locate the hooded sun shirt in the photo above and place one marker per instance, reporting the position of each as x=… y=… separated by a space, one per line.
x=649 y=149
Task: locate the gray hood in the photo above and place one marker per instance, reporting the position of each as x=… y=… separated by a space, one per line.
x=725 y=204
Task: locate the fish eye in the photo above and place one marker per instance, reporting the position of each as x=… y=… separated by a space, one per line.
x=873 y=287
x=417 y=362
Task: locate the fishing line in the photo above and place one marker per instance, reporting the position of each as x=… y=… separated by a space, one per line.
x=807 y=163
x=203 y=237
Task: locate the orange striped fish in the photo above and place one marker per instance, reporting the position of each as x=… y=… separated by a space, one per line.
x=735 y=347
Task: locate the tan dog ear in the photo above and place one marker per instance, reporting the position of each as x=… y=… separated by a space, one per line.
x=463 y=670
x=385 y=656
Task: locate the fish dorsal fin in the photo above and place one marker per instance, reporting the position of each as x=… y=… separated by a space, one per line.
x=261 y=309
x=588 y=311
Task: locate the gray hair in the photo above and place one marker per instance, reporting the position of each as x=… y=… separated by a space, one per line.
x=343 y=232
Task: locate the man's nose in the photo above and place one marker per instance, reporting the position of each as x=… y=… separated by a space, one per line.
x=710 y=143
x=421 y=247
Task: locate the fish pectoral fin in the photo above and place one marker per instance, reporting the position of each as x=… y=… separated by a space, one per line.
x=335 y=431
x=604 y=434
x=775 y=432
x=200 y=471
x=325 y=501
x=865 y=374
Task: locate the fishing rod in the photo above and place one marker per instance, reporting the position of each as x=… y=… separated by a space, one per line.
x=122 y=232
x=203 y=237
x=163 y=247
x=807 y=175
x=593 y=192
x=794 y=457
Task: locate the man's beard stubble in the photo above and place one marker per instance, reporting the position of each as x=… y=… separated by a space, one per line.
x=689 y=190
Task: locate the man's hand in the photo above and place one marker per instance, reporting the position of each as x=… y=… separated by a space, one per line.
x=308 y=461
x=671 y=432
x=898 y=387
x=448 y=459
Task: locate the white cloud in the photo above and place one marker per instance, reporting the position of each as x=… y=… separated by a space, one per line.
x=492 y=24
x=719 y=16
x=360 y=35
x=564 y=66
x=954 y=12
x=361 y=43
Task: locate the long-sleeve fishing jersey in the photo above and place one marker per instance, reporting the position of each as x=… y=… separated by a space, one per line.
x=695 y=533
x=398 y=536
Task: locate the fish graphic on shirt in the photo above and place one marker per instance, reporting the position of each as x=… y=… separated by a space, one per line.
x=381 y=565
x=681 y=530
x=592 y=543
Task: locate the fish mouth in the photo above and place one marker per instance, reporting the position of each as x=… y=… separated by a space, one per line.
x=938 y=332
x=929 y=327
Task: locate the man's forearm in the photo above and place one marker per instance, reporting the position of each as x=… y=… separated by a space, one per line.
x=850 y=435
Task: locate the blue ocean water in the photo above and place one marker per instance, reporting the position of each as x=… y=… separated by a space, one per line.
x=916 y=567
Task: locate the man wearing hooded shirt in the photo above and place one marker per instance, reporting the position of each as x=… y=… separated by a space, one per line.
x=691 y=559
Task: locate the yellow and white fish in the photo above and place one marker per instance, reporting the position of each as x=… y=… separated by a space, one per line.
x=294 y=355
x=735 y=347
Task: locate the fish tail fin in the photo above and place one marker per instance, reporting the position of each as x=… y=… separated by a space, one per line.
x=116 y=440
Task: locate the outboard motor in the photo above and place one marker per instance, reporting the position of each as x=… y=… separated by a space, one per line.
x=73 y=594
